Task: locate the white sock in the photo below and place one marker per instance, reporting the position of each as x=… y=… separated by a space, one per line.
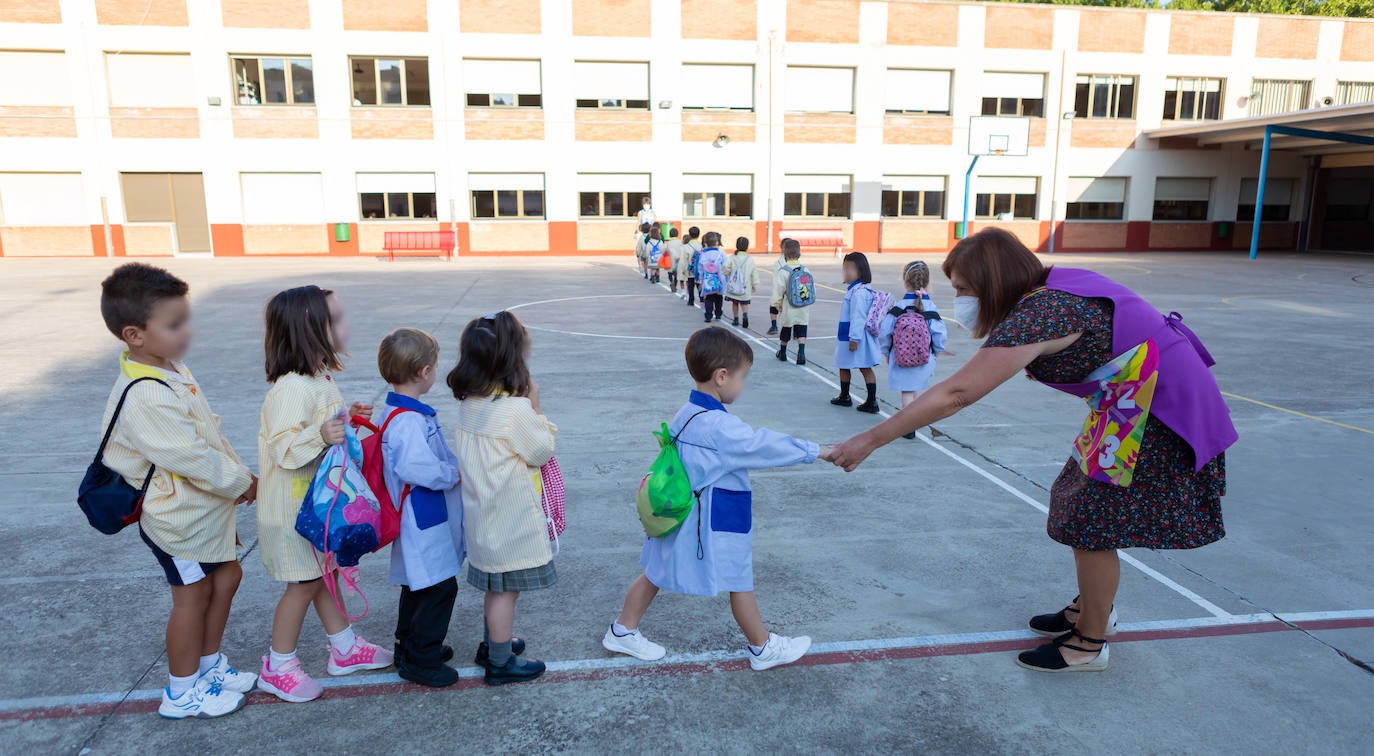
x=177 y=686
x=276 y=661
x=621 y=631
x=206 y=662
x=756 y=650
x=343 y=640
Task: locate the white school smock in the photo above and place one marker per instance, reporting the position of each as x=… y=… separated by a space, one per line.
x=853 y=318
x=429 y=549
x=718 y=450
x=911 y=378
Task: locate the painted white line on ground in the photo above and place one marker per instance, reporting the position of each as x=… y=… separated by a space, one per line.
x=621 y=662
x=1150 y=572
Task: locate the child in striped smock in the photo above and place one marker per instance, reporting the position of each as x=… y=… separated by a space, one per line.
x=302 y=417
x=502 y=440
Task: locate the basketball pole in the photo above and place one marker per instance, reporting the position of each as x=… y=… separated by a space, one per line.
x=968 y=183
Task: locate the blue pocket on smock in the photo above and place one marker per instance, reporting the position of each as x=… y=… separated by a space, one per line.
x=428 y=506
x=732 y=511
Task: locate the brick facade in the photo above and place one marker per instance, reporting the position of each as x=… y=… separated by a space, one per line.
x=834 y=21
x=37 y=121
x=611 y=18
x=495 y=16
x=392 y=123
x=154 y=123
x=1018 y=28
x=1200 y=34
x=720 y=19
x=141 y=12
x=1113 y=31
x=918 y=129
x=503 y=123
x=705 y=125
x=1103 y=133
x=266 y=14
x=1357 y=41
x=30 y=12
x=1093 y=235
x=386 y=15
x=1293 y=38
x=275 y=123
x=924 y=25
x=1180 y=235
x=614 y=125
x=818 y=128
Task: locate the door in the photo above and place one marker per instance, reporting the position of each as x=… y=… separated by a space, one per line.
x=172 y=198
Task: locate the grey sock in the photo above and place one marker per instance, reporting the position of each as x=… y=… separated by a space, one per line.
x=500 y=654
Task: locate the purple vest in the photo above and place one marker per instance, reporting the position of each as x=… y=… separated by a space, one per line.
x=1186 y=397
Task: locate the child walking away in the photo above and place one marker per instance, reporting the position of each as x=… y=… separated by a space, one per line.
x=301 y=418
x=741 y=281
x=642 y=250
x=712 y=277
x=676 y=251
x=653 y=251
x=421 y=475
x=694 y=264
x=712 y=551
x=165 y=441
x=794 y=291
x=857 y=347
x=773 y=309
x=502 y=440
x=911 y=335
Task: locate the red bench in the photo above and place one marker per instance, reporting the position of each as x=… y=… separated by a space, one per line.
x=418 y=241
x=829 y=238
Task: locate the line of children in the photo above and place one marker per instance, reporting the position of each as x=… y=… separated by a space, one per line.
x=741 y=281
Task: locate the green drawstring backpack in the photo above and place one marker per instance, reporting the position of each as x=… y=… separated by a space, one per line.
x=665 y=494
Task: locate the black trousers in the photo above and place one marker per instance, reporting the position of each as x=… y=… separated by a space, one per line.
x=672 y=279
x=788 y=332
x=714 y=304
x=691 y=291
x=422 y=622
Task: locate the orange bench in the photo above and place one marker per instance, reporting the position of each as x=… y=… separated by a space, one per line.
x=418 y=241
x=828 y=238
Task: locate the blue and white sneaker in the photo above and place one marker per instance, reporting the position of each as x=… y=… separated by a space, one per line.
x=202 y=701
x=229 y=678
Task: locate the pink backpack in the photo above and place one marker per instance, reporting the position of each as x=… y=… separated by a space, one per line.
x=910 y=338
x=882 y=302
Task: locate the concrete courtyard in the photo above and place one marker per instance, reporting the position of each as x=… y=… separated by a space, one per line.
x=915 y=574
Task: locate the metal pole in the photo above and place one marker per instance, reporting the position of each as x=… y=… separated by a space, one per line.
x=772 y=38
x=1259 y=193
x=968 y=182
x=1058 y=141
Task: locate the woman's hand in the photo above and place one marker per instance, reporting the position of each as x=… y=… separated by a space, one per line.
x=851 y=453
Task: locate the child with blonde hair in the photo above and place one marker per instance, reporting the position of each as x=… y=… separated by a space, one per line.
x=910 y=380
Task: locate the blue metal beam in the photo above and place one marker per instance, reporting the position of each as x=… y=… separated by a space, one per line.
x=968 y=182
x=1292 y=131
x=1326 y=136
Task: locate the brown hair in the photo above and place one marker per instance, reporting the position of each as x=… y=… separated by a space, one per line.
x=404 y=352
x=999 y=268
x=791 y=249
x=711 y=349
x=298 y=333
x=127 y=296
x=916 y=275
x=491 y=358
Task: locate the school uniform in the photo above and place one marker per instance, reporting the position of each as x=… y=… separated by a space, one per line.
x=187 y=518
x=421 y=475
x=682 y=263
x=713 y=549
x=676 y=251
x=748 y=271
x=853 y=317
x=710 y=272
x=792 y=320
x=912 y=378
x=693 y=270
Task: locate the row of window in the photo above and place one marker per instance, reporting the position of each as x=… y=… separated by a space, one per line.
x=1176 y=199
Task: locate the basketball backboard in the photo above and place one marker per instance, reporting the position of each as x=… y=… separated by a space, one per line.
x=998 y=135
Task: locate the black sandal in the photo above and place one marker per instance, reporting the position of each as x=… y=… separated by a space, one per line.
x=1055 y=625
x=1048 y=658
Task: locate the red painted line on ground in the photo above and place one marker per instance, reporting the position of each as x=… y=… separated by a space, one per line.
x=698 y=668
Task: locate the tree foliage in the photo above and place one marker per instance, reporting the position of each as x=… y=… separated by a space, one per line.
x=1334 y=8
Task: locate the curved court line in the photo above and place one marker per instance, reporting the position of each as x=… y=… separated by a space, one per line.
x=1304 y=415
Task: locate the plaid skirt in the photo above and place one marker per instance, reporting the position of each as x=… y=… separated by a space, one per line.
x=531 y=579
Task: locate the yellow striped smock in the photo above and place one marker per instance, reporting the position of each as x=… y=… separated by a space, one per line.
x=189 y=509
x=289 y=451
x=501 y=443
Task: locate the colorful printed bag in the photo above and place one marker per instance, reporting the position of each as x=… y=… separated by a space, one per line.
x=910 y=338
x=374 y=473
x=801 y=287
x=553 y=497
x=882 y=302
x=1109 y=445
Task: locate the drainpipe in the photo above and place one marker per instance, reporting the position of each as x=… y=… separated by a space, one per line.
x=772 y=190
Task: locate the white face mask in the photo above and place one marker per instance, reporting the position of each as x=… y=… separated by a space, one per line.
x=966 y=311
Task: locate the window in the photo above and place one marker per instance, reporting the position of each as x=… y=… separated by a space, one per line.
x=42 y=199
x=45 y=80
x=812 y=89
x=912 y=91
x=502 y=84
x=396 y=196
x=816 y=196
x=913 y=197
x=273 y=81
x=611 y=85
x=1192 y=99
x=717 y=87
x=151 y=81
x=1005 y=197
x=1348 y=199
x=1014 y=94
x=1104 y=96
x=507 y=195
x=1352 y=92
x=717 y=195
x=1270 y=96
x=1096 y=199
x=282 y=198
x=611 y=195
x=1182 y=199
x=1278 y=199
x=390 y=81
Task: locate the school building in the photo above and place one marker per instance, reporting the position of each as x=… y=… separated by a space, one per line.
x=313 y=127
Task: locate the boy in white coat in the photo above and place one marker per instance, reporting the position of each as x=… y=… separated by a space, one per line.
x=422 y=478
x=712 y=551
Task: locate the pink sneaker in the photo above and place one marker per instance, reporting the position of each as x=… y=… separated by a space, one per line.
x=361 y=657
x=290 y=683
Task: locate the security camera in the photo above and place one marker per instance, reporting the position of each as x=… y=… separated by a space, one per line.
x=721 y=140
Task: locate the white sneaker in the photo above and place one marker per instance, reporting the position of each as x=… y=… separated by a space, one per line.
x=634 y=644
x=779 y=650
x=202 y=700
x=229 y=678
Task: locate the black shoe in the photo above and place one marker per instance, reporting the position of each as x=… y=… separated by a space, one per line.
x=801 y=358
x=708 y=317
x=842 y=401
x=517 y=647
x=745 y=321
x=441 y=676
x=1048 y=658
x=911 y=435
x=1053 y=625
x=445 y=653
x=735 y=322
x=782 y=354
x=514 y=670
x=772 y=330
x=868 y=407
x=718 y=317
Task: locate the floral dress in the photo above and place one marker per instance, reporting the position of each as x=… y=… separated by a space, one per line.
x=1168 y=505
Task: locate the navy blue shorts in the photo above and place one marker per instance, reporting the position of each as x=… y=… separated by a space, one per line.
x=179 y=571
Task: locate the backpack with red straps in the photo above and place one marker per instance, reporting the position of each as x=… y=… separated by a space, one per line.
x=373 y=472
